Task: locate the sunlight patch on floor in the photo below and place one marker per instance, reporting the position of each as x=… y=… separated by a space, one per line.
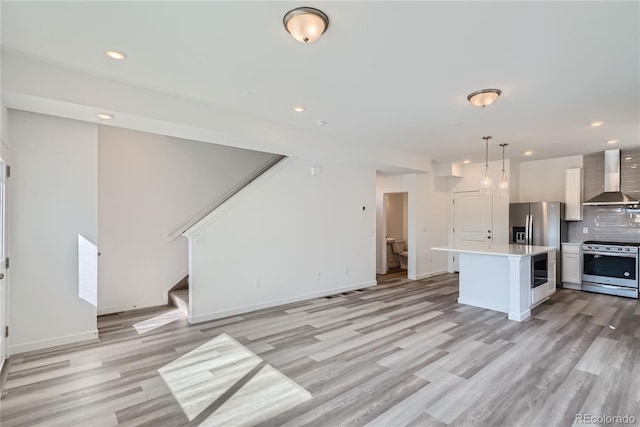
x=224 y=383
x=159 y=321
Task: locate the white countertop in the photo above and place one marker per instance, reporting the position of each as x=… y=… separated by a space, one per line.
x=497 y=249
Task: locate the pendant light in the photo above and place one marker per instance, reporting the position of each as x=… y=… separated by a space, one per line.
x=503 y=187
x=486 y=186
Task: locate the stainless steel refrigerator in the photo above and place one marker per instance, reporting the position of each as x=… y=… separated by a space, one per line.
x=541 y=224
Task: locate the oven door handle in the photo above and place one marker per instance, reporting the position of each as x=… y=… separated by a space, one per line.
x=618 y=254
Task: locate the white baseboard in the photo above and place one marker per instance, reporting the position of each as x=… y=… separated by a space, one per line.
x=483 y=304
x=247 y=308
x=127 y=307
x=425 y=275
x=519 y=317
x=53 y=342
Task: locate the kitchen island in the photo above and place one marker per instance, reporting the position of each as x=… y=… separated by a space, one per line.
x=499 y=277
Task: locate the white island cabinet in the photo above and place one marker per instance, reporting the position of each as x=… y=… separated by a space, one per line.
x=499 y=277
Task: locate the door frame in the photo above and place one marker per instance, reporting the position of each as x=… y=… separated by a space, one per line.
x=4 y=282
x=383 y=235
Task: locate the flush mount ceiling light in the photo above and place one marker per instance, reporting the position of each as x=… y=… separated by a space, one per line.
x=306 y=24
x=596 y=124
x=466 y=162
x=104 y=116
x=114 y=54
x=299 y=109
x=612 y=141
x=484 y=97
x=503 y=187
x=486 y=186
x=528 y=153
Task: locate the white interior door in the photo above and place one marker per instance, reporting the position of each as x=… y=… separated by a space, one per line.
x=472 y=220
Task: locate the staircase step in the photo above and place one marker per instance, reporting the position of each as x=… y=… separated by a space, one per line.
x=180 y=299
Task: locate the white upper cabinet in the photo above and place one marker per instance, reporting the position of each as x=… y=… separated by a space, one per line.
x=573 y=194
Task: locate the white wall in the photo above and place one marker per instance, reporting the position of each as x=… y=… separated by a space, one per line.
x=543 y=180
x=428 y=222
x=149 y=186
x=54 y=198
x=284 y=231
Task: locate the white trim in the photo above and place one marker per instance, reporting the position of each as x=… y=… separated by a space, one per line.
x=426 y=275
x=576 y=286
x=220 y=210
x=520 y=317
x=127 y=307
x=484 y=304
x=53 y=342
x=274 y=303
x=3 y=364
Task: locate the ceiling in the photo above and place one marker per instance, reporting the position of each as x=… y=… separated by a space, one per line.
x=385 y=76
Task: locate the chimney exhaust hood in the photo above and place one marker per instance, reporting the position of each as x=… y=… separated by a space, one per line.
x=612 y=196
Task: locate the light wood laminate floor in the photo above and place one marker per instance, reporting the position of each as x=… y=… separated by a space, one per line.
x=402 y=354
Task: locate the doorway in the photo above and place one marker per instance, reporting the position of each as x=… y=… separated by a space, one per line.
x=395 y=253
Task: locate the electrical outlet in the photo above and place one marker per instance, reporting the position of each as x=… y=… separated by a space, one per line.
x=585 y=230
x=318 y=274
x=258 y=284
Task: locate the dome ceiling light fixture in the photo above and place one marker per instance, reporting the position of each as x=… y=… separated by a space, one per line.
x=484 y=97
x=305 y=24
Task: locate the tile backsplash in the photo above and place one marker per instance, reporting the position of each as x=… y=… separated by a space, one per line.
x=609 y=223
x=615 y=224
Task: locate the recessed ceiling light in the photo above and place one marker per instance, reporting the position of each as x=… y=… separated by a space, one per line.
x=466 y=162
x=596 y=124
x=528 y=153
x=612 y=141
x=117 y=55
x=320 y=122
x=104 y=116
x=298 y=109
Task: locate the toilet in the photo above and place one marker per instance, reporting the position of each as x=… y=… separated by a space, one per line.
x=401 y=254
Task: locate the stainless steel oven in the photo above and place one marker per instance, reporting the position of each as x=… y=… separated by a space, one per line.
x=610 y=268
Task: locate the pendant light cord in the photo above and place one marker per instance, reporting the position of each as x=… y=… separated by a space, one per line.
x=486 y=155
x=503 y=147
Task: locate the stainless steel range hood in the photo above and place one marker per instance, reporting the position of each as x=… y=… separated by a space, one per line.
x=612 y=194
